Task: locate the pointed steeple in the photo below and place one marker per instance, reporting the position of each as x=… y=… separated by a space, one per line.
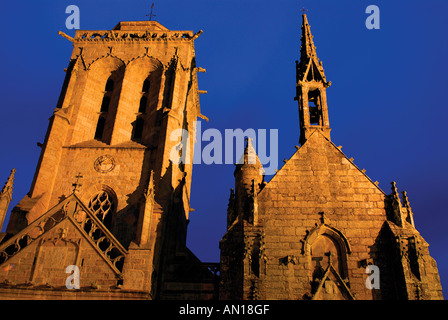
x=6 y=197
x=308 y=48
x=311 y=88
x=309 y=68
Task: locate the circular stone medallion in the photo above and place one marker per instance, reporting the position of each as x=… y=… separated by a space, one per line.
x=104 y=164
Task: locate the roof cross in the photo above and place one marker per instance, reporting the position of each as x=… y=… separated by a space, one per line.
x=151 y=15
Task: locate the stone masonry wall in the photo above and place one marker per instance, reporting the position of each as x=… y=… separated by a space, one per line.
x=317 y=178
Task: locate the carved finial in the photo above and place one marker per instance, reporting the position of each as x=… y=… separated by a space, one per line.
x=77 y=185
x=396 y=205
x=6 y=197
x=150 y=189
x=62 y=233
x=9 y=183
x=394 y=187
x=405 y=199
x=395 y=193
x=407 y=206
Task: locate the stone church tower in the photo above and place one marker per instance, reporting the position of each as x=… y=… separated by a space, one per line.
x=321 y=226
x=107 y=196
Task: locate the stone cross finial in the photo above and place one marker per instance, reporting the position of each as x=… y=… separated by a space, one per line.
x=151 y=15
x=77 y=185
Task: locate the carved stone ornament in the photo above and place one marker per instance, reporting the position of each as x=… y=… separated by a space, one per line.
x=80 y=216
x=104 y=164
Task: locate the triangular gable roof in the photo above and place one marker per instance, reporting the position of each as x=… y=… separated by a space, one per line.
x=88 y=225
x=313 y=136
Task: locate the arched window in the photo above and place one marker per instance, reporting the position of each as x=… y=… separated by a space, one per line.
x=327 y=249
x=105 y=104
x=143 y=102
x=314 y=107
x=100 y=128
x=109 y=85
x=108 y=106
x=146 y=85
x=102 y=205
x=138 y=129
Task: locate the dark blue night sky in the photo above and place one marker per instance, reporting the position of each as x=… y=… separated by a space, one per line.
x=387 y=103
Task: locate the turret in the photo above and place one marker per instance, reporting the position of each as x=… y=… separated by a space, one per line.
x=249 y=174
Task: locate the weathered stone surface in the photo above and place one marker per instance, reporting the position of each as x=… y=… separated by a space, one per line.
x=109 y=147
x=107 y=197
x=321 y=221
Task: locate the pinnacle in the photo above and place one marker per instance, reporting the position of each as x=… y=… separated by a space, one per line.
x=309 y=67
x=9 y=183
x=308 y=48
x=250 y=155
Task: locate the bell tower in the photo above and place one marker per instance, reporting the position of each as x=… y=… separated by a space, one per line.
x=320 y=224
x=109 y=150
x=311 y=87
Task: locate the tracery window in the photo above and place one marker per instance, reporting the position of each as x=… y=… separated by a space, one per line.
x=102 y=205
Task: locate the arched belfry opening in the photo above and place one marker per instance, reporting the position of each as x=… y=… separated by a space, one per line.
x=311 y=87
x=145 y=79
x=100 y=100
x=315 y=107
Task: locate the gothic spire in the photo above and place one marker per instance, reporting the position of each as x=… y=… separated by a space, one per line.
x=7 y=189
x=308 y=48
x=311 y=88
